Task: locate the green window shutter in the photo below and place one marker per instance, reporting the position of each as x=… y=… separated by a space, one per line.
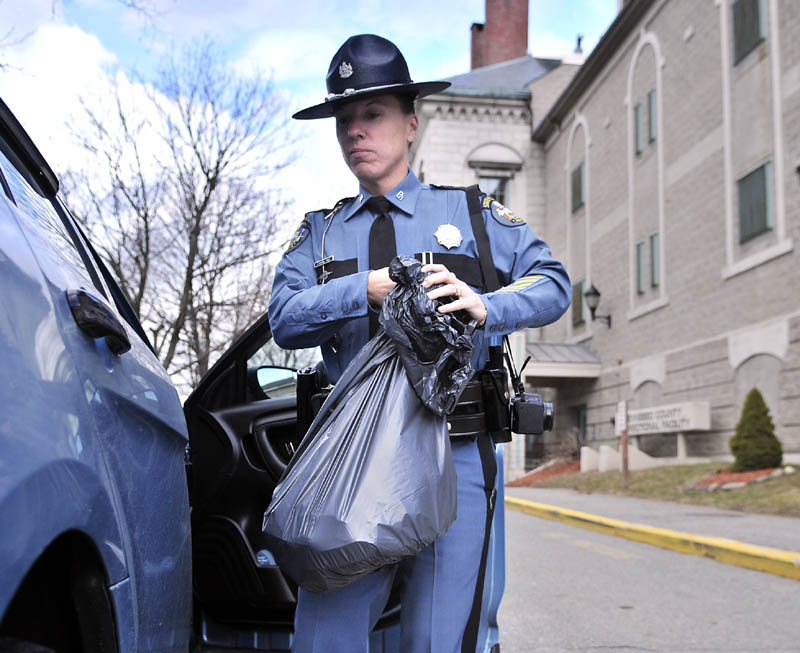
x=577 y=303
x=748 y=27
x=655 y=262
x=640 y=267
x=638 y=127
x=651 y=115
x=754 y=204
x=577 y=187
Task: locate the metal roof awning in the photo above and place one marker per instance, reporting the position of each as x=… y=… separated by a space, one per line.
x=561 y=361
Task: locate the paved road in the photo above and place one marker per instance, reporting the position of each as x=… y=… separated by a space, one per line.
x=570 y=589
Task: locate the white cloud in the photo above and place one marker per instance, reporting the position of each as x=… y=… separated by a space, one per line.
x=46 y=75
x=286 y=54
x=320 y=177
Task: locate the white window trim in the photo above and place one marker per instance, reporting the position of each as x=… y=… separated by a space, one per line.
x=647 y=308
x=734 y=267
x=646 y=38
x=579 y=122
x=759 y=258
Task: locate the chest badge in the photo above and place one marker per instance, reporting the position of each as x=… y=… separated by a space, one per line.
x=448 y=235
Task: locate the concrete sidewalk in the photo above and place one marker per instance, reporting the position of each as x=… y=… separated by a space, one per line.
x=765 y=542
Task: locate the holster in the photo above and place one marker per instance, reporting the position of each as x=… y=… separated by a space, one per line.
x=494 y=384
x=482 y=408
x=312 y=388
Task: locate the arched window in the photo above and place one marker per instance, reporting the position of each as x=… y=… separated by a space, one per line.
x=495 y=165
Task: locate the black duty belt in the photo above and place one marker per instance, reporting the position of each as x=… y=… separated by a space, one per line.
x=466 y=268
x=468 y=419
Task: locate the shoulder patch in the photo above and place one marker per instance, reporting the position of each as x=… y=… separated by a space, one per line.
x=300 y=235
x=500 y=213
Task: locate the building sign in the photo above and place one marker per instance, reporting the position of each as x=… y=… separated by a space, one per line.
x=672 y=418
x=620 y=419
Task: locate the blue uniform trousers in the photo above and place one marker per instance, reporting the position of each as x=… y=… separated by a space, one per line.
x=439 y=584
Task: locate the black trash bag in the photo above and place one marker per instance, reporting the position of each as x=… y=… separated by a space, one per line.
x=373 y=480
x=435 y=348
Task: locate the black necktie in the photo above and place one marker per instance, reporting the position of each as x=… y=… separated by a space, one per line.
x=382 y=245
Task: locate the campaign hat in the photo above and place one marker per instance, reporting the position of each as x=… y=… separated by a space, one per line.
x=364 y=66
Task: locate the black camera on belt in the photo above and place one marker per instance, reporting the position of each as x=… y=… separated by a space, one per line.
x=530 y=414
x=526 y=413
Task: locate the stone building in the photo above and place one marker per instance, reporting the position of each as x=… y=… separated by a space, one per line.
x=665 y=171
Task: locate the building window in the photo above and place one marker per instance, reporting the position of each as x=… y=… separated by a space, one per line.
x=638 y=128
x=640 y=263
x=497 y=187
x=655 y=262
x=749 y=27
x=755 y=205
x=577 y=188
x=651 y=115
x=577 y=304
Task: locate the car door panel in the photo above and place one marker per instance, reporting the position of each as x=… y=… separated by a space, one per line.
x=238 y=454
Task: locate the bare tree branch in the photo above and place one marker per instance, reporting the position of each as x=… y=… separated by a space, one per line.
x=181 y=205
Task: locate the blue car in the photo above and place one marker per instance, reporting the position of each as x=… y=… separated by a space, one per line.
x=127 y=521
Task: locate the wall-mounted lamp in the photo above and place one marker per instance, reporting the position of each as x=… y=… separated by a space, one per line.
x=592 y=296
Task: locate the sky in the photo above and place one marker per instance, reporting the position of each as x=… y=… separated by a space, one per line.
x=56 y=51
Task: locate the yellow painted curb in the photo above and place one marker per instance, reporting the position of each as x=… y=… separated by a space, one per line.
x=762 y=558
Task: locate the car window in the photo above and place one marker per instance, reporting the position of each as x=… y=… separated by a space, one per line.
x=40 y=214
x=269 y=354
x=269 y=372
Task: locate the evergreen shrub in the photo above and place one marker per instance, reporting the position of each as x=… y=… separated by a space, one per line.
x=754 y=445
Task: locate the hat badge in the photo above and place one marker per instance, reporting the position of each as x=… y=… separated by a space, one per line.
x=345 y=70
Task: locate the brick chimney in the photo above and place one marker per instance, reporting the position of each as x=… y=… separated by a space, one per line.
x=503 y=36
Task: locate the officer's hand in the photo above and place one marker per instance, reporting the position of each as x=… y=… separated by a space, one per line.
x=466 y=299
x=378 y=286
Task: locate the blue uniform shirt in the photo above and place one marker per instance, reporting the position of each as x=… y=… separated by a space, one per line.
x=334 y=314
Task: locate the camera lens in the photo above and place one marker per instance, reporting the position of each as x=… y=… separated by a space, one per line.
x=549 y=416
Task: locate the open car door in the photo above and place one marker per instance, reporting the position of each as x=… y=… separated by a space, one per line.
x=242 y=432
x=241 y=422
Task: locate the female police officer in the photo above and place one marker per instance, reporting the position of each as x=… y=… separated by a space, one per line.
x=329 y=287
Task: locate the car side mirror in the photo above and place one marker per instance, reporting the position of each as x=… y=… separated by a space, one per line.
x=270 y=382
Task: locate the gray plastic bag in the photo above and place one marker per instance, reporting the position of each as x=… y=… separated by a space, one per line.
x=373 y=480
